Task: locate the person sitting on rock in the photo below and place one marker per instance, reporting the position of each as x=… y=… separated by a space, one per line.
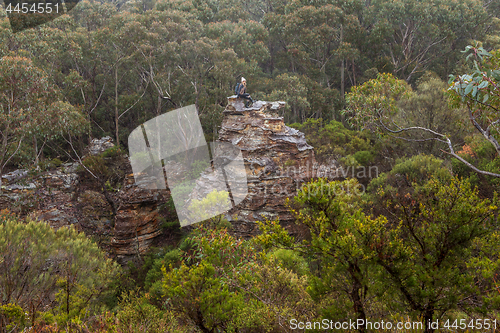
x=242 y=93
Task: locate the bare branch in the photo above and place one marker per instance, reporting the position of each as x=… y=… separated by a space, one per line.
x=163 y=94
x=444 y=139
x=108 y=197
x=14 y=153
x=135 y=102
x=471 y=166
x=486 y=133
x=95 y=122
x=98 y=99
x=70 y=142
x=413 y=128
x=417 y=140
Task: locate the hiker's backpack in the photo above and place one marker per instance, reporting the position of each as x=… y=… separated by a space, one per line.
x=237 y=89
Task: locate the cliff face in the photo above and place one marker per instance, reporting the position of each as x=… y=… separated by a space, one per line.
x=277 y=160
x=68 y=195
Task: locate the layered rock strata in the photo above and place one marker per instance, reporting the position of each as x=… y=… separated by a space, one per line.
x=137 y=220
x=277 y=160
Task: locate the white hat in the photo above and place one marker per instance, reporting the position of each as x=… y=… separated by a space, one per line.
x=243 y=79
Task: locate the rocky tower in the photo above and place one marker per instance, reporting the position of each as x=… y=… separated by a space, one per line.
x=277 y=160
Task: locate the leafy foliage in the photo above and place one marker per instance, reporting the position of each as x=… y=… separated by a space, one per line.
x=376 y=100
x=60 y=271
x=478 y=91
x=429 y=248
x=339 y=234
x=228 y=286
x=332 y=140
x=31 y=109
x=202 y=210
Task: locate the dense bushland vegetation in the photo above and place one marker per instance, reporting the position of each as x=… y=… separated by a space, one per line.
x=369 y=84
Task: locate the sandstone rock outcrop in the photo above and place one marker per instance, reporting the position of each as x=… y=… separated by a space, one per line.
x=55 y=192
x=277 y=160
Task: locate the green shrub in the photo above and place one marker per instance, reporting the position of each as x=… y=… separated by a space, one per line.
x=207 y=210
x=12 y=317
x=112 y=152
x=416 y=170
x=482 y=154
x=333 y=140
x=349 y=161
x=62 y=269
x=172 y=257
x=110 y=168
x=363 y=157
x=181 y=191
x=56 y=162
x=45 y=318
x=197 y=168
x=228 y=287
x=95 y=164
x=136 y=314
x=291 y=260
x=45 y=164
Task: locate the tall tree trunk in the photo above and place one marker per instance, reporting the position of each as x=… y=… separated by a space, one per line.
x=342 y=74
x=428 y=316
x=116 y=106
x=355 y=294
x=158 y=106
x=158 y=126
x=353 y=72
x=36 y=151
x=342 y=77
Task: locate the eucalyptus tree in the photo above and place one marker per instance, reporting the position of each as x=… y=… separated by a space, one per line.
x=338 y=244
x=413 y=35
x=478 y=91
x=31 y=109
